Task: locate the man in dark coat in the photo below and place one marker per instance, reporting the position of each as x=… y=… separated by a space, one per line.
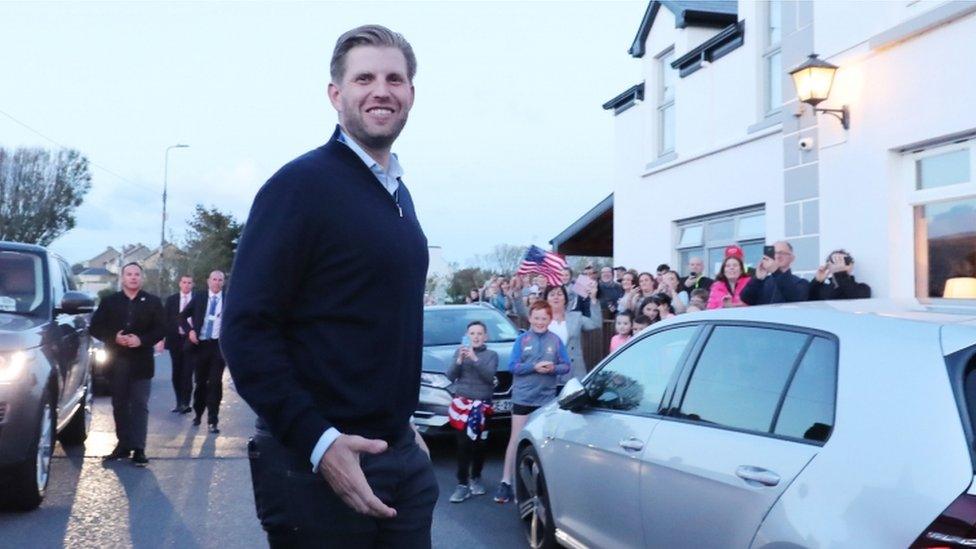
x=201 y=321
x=130 y=323
x=835 y=279
x=174 y=342
x=323 y=329
x=774 y=282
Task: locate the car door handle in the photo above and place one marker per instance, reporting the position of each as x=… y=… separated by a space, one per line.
x=632 y=444
x=750 y=473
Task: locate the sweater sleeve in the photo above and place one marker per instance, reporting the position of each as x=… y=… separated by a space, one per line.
x=562 y=360
x=595 y=319
x=515 y=364
x=269 y=266
x=454 y=369
x=849 y=289
x=99 y=327
x=752 y=293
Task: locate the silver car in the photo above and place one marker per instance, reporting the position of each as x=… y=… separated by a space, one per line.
x=840 y=424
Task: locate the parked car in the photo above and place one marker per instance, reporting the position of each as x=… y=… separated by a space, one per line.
x=444 y=327
x=45 y=379
x=101 y=368
x=830 y=424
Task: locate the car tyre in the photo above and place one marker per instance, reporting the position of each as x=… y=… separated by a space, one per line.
x=532 y=496
x=29 y=479
x=76 y=431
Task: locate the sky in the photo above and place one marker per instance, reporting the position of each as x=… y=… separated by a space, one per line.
x=506 y=143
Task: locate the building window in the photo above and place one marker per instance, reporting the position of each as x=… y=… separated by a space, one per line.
x=772 y=59
x=945 y=221
x=665 y=103
x=707 y=237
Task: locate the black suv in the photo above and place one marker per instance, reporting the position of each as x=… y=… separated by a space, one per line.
x=45 y=378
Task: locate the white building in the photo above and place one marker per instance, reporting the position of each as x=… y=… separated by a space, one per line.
x=709 y=144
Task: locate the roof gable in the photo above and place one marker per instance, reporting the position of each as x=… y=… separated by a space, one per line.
x=699 y=13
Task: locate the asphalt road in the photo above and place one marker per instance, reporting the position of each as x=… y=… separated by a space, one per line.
x=196 y=492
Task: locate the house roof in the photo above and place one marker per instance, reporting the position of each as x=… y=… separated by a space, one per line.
x=591 y=234
x=96 y=271
x=626 y=99
x=698 y=13
x=110 y=253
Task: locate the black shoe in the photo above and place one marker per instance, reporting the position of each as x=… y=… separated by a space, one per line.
x=139 y=458
x=186 y=410
x=177 y=410
x=117 y=454
x=196 y=421
x=214 y=429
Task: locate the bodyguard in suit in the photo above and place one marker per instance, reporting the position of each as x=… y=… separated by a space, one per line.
x=174 y=342
x=201 y=321
x=130 y=323
x=323 y=327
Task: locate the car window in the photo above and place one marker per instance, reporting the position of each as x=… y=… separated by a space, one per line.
x=447 y=326
x=808 y=410
x=740 y=376
x=69 y=277
x=21 y=283
x=57 y=281
x=634 y=380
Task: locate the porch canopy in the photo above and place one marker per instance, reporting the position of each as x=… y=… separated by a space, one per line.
x=590 y=235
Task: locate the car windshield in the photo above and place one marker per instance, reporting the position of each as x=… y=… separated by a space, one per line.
x=447 y=326
x=21 y=282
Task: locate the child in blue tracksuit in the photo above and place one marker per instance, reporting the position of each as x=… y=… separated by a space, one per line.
x=538 y=358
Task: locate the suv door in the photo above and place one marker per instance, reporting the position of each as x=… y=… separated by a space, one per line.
x=593 y=464
x=78 y=377
x=756 y=406
x=65 y=342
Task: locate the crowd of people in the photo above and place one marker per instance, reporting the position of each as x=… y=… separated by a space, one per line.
x=549 y=352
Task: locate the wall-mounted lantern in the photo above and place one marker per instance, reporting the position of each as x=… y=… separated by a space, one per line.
x=813 y=80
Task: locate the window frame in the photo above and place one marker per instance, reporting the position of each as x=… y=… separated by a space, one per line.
x=767 y=50
x=689 y=364
x=690 y=350
x=917 y=199
x=664 y=60
x=706 y=244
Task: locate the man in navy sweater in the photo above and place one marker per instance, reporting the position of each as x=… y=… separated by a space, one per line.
x=774 y=282
x=322 y=330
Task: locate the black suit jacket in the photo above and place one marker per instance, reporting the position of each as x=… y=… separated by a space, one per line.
x=173 y=338
x=142 y=316
x=196 y=311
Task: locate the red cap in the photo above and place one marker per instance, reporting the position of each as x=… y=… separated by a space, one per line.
x=734 y=251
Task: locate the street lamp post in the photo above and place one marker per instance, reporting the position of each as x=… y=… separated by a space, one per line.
x=162 y=231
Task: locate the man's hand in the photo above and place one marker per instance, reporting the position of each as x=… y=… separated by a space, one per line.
x=544 y=367
x=159 y=347
x=764 y=268
x=193 y=337
x=822 y=272
x=340 y=468
x=690 y=281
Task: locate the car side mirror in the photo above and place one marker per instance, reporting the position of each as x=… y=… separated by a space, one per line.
x=75 y=303
x=573 y=397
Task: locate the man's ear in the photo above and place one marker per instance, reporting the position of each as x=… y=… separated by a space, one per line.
x=334 y=92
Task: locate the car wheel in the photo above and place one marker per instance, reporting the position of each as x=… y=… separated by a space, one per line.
x=29 y=479
x=76 y=431
x=533 y=501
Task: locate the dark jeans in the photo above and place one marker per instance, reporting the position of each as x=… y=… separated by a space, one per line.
x=130 y=406
x=208 y=369
x=471 y=457
x=298 y=508
x=182 y=374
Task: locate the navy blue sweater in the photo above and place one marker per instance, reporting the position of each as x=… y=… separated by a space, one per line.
x=323 y=324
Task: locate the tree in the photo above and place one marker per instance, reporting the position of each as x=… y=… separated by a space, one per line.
x=39 y=192
x=503 y=258
x=465 y=280
x=211 y=240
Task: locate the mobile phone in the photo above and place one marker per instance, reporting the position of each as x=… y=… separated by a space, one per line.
x=769 y=251
x=848 y=260
x=466 y=341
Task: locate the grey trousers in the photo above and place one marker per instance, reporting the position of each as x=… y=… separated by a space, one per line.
x=130 y=407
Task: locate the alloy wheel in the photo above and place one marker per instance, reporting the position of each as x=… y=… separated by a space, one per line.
x=532 y=510
x=45 y=447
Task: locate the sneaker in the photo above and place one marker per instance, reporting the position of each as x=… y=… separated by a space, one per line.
x=460 y=494
x=117 y=453
x=504 y=493
x=477 y=488
x=139 y=458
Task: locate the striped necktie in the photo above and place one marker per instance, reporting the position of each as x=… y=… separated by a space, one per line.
x=208 y=323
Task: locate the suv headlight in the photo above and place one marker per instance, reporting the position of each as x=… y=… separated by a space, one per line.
x=12 y=366
x=101 y=356
x=439 y=381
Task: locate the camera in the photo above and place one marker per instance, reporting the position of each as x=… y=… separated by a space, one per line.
x=805 y=144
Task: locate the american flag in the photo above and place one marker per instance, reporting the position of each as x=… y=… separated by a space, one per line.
x=548 y=264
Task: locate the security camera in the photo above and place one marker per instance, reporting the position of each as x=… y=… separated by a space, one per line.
x=806 y=143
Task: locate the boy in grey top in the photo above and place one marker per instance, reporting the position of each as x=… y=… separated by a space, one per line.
x=473 y=374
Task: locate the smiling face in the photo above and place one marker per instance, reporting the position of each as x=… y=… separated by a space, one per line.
x=477 y=335
x=539 y=320
x=623 y=325
x=646 y=282
x=374 y=97
x=732 y=269
x=627 y=282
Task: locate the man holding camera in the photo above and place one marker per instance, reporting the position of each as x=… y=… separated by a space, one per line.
x=835 y=279
x=773 y=281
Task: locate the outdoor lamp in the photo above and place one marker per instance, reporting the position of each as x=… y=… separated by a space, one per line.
x=813 y=80
x=963 y=287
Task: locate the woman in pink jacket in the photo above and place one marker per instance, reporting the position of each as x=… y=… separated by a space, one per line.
x=728 y=285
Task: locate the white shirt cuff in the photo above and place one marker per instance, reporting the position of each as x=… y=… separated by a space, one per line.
x=326 y=440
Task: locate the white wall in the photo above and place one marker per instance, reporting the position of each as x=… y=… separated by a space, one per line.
x=914 y=90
